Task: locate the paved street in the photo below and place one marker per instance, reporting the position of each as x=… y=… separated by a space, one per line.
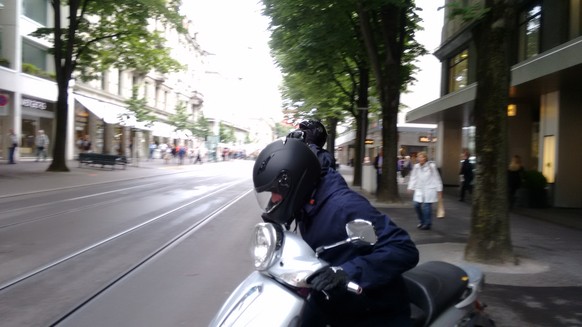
x=541 y=290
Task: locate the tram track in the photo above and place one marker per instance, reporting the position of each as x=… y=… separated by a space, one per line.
x=186 y=233
x=120 y=195
x=131 y=248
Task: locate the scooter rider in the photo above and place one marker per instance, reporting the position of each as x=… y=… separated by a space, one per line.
x=289 y=187
x=314 y=134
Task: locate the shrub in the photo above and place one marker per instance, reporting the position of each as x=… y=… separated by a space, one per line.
x=4 y=62
x=535 y=184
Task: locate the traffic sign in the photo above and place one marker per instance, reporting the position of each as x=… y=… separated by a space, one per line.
x=3 y=100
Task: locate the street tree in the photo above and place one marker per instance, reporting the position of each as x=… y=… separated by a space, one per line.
x=201 y=128
x=138 y=106
x=374 y=36
x=492 y=27
x=89 y=37
x=226 y=133
x=181 y=118
x=388 y=29
x=325 y=73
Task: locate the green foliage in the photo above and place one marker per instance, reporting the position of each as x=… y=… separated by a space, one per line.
x=226 y=134
x=4 y=62
x=281 y=130
x=471 y=12
x=201 y=127
x=181 y=119
x=33 y=70
x=109 y=33
x=139 y=108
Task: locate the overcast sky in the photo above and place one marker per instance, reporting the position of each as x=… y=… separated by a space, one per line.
x=236 y=33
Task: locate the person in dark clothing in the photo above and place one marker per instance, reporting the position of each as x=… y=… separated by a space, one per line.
x=313 y=133
x=286 y=173
x=466 y=174
x=514 y=177
x=378 y=162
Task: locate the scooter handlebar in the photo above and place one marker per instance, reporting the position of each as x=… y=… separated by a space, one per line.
x=354 y=288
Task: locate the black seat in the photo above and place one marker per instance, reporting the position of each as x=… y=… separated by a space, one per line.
x=434 y=286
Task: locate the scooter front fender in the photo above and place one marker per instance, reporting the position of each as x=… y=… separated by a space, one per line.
x=260 y=301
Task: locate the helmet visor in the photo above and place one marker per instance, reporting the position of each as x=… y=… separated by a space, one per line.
x=271 y=196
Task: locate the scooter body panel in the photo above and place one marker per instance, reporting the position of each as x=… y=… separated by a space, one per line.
x=260 y=301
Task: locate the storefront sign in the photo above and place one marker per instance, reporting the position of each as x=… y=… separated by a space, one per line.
x=35 y=104
x=427 y=139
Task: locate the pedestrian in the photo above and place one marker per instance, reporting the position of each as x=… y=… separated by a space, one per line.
x=378 y=161
x=313 y=133
x=13 y=139
x=287 y=180
x=425 y=181
x=182 y=150
x=153 y=146
x=197 y=155
x=86 y=145
x=514 y=177
x=466 y=175
x=42 y=143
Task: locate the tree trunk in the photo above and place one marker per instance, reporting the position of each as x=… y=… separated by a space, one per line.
x=362 y=104
x=489 y=239
x=359 y=156
x=59 y=163
x=389 y=191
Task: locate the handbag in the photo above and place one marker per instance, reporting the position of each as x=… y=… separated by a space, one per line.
x=440 y=208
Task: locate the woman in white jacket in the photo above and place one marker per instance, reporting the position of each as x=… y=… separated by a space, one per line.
x=427 y=185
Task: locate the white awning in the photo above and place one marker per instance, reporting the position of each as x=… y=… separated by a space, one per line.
x=162 y=129
x=109 y=112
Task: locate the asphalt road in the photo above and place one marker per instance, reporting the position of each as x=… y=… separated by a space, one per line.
x=62 y=252
x=167 y=250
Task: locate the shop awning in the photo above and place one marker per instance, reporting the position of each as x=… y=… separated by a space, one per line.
x=162 y=129
x=109 y=112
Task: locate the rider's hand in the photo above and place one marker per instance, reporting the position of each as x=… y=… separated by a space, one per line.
x=328 y=278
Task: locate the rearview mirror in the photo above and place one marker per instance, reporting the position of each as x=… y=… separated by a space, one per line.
x=362 y=230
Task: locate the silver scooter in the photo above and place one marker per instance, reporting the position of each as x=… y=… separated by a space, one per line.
x=441 y=294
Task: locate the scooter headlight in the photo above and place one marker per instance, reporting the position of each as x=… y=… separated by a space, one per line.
x=264 y=245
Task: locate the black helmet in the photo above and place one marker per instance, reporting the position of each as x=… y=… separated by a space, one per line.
x=315 y=132
x=285 y=174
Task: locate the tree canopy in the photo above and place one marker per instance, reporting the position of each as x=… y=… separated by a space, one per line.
x=330 y=51
x=100 y=34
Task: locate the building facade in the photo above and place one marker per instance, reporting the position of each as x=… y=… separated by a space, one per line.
x=97 y=109
x=545 y=107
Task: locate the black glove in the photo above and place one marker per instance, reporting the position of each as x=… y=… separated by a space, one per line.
x=327 y=279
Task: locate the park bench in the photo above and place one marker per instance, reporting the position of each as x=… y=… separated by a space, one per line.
x=90 y=159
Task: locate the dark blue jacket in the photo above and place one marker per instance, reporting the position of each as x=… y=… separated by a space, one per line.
x=376 y=268
x=326 y=160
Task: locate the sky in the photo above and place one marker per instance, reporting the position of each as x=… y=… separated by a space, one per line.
x=235 y=32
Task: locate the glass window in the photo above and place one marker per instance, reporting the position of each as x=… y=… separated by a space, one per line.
x=458 y=71
x=530 y=22
x=35 y=10
x=575 y=18
x=33 y=54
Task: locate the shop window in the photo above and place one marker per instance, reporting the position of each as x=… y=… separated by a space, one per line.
x=36 y=10
x=33 y=54
x=458 y=71
x=575 y=18
x=530 y=21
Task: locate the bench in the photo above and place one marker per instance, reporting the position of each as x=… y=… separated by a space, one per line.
x=102 y=159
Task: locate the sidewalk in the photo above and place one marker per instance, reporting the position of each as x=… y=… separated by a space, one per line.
x=542 y=289
x=28 y=176
x=561 y=216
